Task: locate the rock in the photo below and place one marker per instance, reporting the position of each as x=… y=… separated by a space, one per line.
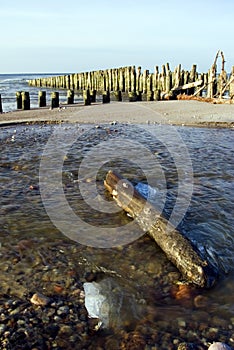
x=186 y=346
x=219 y=346
x=63 y=310
x=40 y=299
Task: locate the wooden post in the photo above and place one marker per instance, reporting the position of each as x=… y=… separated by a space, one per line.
x=149 y=94
x=132 y=96
x=167 y=79
x=106 y=97
x=54 y=100
x=177 y=77
x=212 y=83
x=42 y=98
x=155 y=85
x=70 y=97
x=116 y=96
x=67 y=81
x=86 y=97
x=93 y=94
x=25 y=100
x=121 y=80
x=139 y=81
x=192 y=78
x=0 y=104
x=18 y=100
x=222 y=79
x=138 y=74
x=133 y=79
x=178 y=249
x=157 y=95
x=163 y=79
x=231 y=84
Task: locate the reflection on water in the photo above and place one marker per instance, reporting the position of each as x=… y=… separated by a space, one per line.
x=139 y=268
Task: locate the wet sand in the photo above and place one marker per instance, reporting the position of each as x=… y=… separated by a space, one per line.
x=190 y=113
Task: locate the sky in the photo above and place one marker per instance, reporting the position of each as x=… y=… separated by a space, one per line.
x=58 y=36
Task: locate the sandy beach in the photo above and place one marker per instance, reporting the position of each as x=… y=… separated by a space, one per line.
x=190 y=113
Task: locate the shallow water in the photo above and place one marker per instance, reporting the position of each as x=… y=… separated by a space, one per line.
x=142 y=280
x=11 y=83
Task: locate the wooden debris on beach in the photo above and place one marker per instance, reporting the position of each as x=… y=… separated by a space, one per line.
x=177 y=248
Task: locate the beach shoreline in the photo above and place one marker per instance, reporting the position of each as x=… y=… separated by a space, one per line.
x=176 y=112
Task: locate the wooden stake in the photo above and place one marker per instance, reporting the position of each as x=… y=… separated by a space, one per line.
x=25 y=100
x=70 y=97
x=0 y=104
x=54 y=100
x=86 y=97
x=106 y=97
x=42 y=98
x=18 y=100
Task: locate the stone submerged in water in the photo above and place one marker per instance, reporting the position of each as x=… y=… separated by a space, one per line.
x=219 y=346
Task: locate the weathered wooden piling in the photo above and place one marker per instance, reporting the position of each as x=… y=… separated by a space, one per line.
x=116 y=96
x=42 y=98
x=25 y=100
x=86 y=97
x=231 y=84
x=93 y=94
x=54 y=100
x=106 y=97
x=70 y=97
x=0 y=104
x=132 y=96
x=131 y=84
x=18 y=99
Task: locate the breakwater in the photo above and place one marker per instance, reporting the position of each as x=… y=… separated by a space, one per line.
x=123 y=84
x=130 y=83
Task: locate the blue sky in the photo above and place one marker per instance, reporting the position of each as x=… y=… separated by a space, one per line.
x=74 y=36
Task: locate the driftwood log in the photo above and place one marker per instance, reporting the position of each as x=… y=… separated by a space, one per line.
x=177 y=248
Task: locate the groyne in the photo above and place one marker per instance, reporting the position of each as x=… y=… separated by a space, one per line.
x=132 y=84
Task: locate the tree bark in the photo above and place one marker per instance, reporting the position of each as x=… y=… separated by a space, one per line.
x=177 y=248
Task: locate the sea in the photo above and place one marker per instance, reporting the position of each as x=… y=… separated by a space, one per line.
x=11 y=83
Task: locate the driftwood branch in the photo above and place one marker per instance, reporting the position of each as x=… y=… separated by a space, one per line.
x=177 y=248
x=214 y=65
x=188 y=86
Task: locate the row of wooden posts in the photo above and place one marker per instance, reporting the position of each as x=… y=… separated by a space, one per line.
x=23 y=99
x=130 y=83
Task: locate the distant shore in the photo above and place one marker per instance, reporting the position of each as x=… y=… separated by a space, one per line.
x=187 y=113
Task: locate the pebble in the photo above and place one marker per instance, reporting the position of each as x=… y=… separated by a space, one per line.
x=63 y=310
x=40 y=299
x=2 y=328
x=219 y=346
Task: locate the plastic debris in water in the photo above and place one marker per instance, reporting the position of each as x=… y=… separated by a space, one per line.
x=147 y=191
x=219 y=346
x=112 y=302
x=96 y=303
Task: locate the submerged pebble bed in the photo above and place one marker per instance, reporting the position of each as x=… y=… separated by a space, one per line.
x=42 y=300
x=59 y=320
